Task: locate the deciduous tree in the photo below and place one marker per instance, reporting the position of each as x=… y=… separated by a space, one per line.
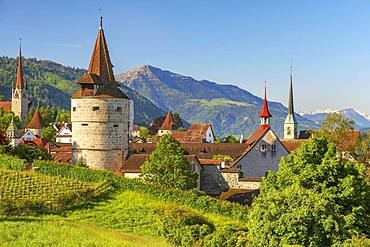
x=168 y=167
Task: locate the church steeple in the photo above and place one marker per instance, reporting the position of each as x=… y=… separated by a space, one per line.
x=19 y=93
x=290 y=124
x=265 y=113
x=19 y=82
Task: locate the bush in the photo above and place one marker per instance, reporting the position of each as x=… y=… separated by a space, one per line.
x=29 y=153
x=12 y=163
x=228 y=236
x=182 y=227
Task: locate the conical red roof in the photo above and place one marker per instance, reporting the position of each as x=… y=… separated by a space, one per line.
x=36 y=122
x=168 y=122
x=19 y=83
x=265 y=109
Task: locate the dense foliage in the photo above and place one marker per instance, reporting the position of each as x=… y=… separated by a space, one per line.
x=316 y=198
x=168 y=167
x=29 y=152
x=48 y=133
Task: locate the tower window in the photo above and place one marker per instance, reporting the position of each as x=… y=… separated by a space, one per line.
x=84 y=124
x=95 y=108
x=74 y=109
x=115 y=125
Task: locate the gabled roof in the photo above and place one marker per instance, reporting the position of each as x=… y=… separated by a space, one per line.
x=196 y=133
x=36 y=121
x=168 y=123
x=265 y=109
x=100 y=72
x=135 y=161
x=19 y=82
x=292 y=144
x=6 y=105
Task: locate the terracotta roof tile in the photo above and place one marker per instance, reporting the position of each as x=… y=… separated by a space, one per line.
x=6 y=105
x=292 y=145
x=168 y=123
x=36 y=121
x=210 y=162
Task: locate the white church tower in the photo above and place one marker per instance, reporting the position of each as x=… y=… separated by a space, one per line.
x=290 y=124
x=19 y=94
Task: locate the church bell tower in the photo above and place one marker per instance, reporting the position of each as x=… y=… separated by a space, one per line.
x=290 y=124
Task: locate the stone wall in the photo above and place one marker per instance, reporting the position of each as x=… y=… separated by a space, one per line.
x=100 y=131
x=211 y=181
x=232 y=179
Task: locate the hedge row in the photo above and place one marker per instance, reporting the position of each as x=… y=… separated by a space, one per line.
x=193 y=198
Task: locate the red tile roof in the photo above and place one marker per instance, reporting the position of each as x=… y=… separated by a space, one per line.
x=135 y=161
x=100 y=72
x=168 y=123
x=292 y=145
x=196 y=133
x=6 y=105
x=36 y=121
x=205 y=162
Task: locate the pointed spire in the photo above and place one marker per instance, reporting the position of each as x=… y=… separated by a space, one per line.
x=36 y=121
x=100 y=63
x=265 y=109
x=290 y=101
x=19 y=82
x=169 y=122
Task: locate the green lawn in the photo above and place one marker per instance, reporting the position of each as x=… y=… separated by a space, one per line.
x=30 y=231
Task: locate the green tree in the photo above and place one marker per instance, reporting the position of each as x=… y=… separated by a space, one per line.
x=225 y=158
x=5 y=120
x=177 y=120
x=315 y=199
x=144 y=132
x=29 y=153
x=63 y=115
x=168 y=167
x=218 y=139
x=362 y=151
x=336 y=128
x=48 y=133
x=231 y=139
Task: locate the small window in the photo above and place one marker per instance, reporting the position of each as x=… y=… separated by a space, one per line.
x=95 y=108
x=115 y=125
x=263 y=148
x=84 y=124
x=273 y=147
x=119 y=109
x=74 y=109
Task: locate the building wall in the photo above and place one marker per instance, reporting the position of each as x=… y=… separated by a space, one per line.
x=20 y=104
x=100 y=131
x=132 y=175
x=257 y=163
x=209 y=136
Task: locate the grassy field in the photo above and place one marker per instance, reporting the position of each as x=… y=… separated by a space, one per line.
x=127 y=214
x=31 y=231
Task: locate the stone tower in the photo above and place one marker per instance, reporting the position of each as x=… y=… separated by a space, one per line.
x=290 y=124
x=19 y=93
x=100 y=114
x=265 y=113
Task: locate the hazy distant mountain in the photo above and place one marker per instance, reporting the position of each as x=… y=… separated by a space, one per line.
x=230 y=109
x=362 y=120
x=55 y=83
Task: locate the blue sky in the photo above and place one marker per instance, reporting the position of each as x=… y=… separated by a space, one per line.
x=233 y=41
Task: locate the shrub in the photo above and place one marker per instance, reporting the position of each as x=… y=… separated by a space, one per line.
x=228 y=236
x=12 y=163
x=182 y=227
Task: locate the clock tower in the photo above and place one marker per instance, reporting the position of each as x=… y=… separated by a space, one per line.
x=19 y=94
x=290 y=124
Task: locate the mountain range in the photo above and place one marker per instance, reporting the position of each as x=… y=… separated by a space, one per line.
x=230 y=109
x=362 y=120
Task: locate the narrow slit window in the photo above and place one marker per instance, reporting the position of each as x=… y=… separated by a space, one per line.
x=119 y=109
x=84 y=124
x=115 y=125
x=74 y=108
x=95 y=108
